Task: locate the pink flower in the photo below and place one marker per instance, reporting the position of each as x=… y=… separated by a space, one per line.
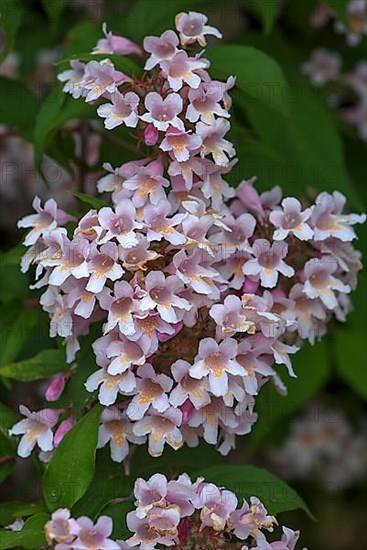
x=214 y=142
x=187 y=268
x=231 y=318
x=161 y=428
x=181 y=69
x=268 y=262
x=328 y=221
x=120 y=224
x=71 y=260
x=215 y=506
x=192 y=28
x=116 y=429
x=122 y=110
x=120 y=309
x=126 y=354
x=101 y=77
x=163 y=112
x=102 y=264
x=319 y=281
x=216 y=361
x=180 y=144
x=116 y=44
x=151 y=390
x=110 y=385
x=46 y=220
x=37 y=429
x=61 y=527
x=204 y=102
x=291 y=220
x=91 y=537
x=247 y=520
x=147 y=184
x=74 y=79
x=55 y=388
x=161 y=294
x=187 y=387
x=162 y=227
x=161 y=48
x=159 y=527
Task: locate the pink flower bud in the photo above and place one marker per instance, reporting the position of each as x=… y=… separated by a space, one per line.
x=250 y=197
x=63 y=429
x=183 y=530
x=250 y=287
x=151 y=135
x=187 y=410
x=55 y=388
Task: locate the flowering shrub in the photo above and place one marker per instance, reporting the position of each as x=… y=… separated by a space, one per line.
x=194 y=295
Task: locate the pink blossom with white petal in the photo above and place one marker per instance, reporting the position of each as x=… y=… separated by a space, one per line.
x=320 y=282
x=268 y=262
x=180 y=144
x=291 y=220
x=122 y=110
x=181 y=69
x=151 y=390
x=216 y=361
x=192 y=27
x=36 y=429
x=161 y=293
x=161 y=48
x=161 y=428
x=163 y=113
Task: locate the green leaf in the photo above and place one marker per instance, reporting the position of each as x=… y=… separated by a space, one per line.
x=172 y=463
x=7 y=417
x=247 y=481
x=45 y=364
x=94 y=202
x=142 y=20
x=57 y=109
x=9 y=511
x=351 y=351
x=10 y=20
x=54 y=8
x=14 y=283
x=260 y=80
x=17 y=327
x=109 y=483
x=83 y=37
x=31 y=536
x=14 y=94
x=118 y=512
x=71 y=469
x=86 y=365
x=267 y=11
x=312 y=366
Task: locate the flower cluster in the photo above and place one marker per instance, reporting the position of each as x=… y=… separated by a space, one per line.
x=346 y=91
x=176 y=513
x=202 y=290
x=356 y=16
x=323 y=445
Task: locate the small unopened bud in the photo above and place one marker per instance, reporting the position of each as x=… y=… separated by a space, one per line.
x=151 y=135
x=55 y=388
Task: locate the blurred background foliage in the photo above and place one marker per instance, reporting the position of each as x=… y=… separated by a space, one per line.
x=286 y=133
